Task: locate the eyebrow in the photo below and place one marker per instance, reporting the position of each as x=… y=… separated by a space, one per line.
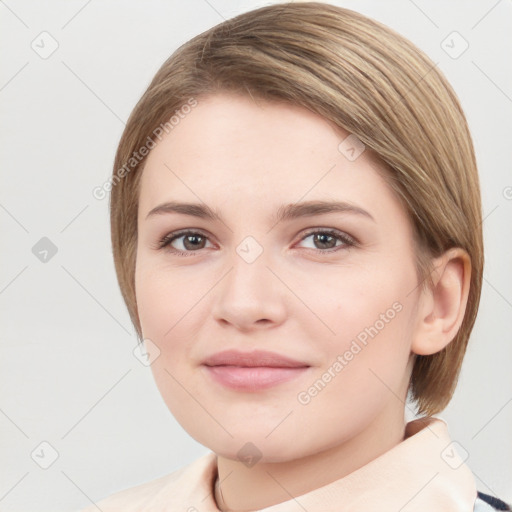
x=284 y=212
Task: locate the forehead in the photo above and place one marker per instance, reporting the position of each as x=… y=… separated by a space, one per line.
x=233 y=150
x=228 y=126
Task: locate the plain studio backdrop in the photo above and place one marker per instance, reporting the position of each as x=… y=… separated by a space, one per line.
x=80 y=415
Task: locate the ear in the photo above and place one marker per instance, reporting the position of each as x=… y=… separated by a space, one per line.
x=441 y=307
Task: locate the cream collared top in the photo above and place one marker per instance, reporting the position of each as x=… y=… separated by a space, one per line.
x=423 y=473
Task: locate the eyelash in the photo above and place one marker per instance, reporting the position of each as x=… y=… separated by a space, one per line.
x=347 y=240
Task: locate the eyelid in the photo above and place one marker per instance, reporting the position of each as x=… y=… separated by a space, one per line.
x=347 y=240
x=166 y=240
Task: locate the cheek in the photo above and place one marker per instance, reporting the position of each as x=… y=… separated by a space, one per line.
x=164 y=298
x=372 y=321
x=364 y=371
x=172 y=308
x=365 y=304
x=165 y=310
x=152 y=300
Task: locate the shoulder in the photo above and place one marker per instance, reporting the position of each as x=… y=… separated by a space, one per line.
x=161 y=491
x=487 y=503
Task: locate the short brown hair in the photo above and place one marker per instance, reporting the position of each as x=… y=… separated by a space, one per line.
x=368 y=80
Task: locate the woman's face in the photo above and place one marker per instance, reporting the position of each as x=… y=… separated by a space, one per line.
x=341 y=302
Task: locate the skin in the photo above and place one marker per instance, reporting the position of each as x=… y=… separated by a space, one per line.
x=245 y=159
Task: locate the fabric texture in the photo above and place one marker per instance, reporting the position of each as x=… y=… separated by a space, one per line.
x=422 y=473
x=485 y=502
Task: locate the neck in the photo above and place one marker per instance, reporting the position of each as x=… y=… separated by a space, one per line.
x=241 y=489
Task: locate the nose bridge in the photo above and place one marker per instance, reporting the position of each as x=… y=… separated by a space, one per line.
x=249 y=276
x=249 y=292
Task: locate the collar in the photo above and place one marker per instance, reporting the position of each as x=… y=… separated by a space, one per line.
x=422 y=473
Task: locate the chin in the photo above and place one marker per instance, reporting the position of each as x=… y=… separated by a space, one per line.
x=254 y=444
x=252 y=452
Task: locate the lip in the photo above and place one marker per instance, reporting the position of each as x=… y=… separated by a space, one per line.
x=252 y=359
x=252 y=371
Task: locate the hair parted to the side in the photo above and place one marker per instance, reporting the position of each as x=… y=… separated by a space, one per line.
x=365 y=78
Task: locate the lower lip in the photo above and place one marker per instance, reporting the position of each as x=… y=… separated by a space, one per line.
x=253 y=378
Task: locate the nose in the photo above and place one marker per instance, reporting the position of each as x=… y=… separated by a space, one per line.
x=250 y=295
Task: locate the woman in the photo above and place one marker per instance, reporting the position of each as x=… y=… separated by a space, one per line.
x=296 y=226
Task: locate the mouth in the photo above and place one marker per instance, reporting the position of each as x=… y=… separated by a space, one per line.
x=252 y=371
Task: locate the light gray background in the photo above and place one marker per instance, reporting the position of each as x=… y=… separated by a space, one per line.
x=67 y=369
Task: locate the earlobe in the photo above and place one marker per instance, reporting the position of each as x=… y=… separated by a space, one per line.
x=441 y=307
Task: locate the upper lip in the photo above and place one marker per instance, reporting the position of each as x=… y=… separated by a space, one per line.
x=252 y=359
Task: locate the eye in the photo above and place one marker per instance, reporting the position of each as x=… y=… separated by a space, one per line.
x=327 y=240
x=188 y=241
